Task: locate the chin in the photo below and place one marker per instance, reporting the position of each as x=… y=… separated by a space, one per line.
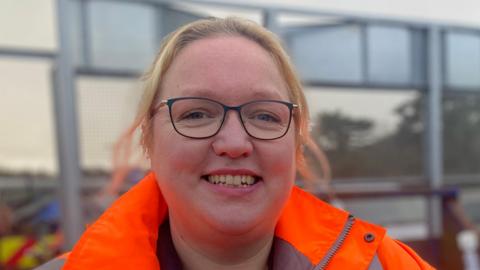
x=236 y=224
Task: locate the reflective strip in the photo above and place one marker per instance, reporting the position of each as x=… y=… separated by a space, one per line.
x=20 y=252
x=375 y=264
x=55 y=264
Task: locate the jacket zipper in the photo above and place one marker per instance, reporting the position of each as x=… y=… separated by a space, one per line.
x=338 y=243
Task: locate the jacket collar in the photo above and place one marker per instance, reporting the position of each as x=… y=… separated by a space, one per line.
x=312 y=227
x=125 y=236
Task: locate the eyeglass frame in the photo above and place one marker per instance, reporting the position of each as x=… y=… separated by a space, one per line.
x=170 y=101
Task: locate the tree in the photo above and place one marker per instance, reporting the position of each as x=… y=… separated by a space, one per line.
x=353 y=152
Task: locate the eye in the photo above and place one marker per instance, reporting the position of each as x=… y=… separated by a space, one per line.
x=266 y=117
x=194 y=115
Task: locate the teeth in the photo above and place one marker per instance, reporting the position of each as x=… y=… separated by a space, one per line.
x=228 y=180
x=237 y=179
x=232 y=180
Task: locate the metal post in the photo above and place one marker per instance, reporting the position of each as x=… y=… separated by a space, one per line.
x=159 y=23
x=365 y=53
x=269 y=21
x=85 y=33
x=434 y=146
x=66 y=131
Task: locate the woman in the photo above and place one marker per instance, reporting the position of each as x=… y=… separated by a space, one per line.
x=224 y=122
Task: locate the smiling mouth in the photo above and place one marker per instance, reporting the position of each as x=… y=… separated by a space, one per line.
x=234 y=181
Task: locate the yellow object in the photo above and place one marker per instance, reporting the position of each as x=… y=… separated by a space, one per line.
x=32 y=256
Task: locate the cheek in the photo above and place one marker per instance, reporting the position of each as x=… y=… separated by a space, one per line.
x=279 y=158
x=278 y=165
x=169 y=152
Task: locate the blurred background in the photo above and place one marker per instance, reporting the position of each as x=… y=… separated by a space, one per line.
x=393 y=89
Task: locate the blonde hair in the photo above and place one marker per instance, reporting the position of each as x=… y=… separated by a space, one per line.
x=207 y=28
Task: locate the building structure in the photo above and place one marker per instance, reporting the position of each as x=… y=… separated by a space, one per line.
x=397 y=95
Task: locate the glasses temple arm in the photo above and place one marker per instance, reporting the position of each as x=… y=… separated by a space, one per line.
x=156 y=108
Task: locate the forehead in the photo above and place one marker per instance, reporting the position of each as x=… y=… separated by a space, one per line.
x=225 y=68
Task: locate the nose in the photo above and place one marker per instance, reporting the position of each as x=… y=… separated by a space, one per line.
x=232 y=140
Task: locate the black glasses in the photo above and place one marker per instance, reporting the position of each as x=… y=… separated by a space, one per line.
x=200 y=118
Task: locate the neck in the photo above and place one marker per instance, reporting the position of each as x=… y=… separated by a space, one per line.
x=219 y=252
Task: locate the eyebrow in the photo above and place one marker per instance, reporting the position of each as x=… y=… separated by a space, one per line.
x=260 y=93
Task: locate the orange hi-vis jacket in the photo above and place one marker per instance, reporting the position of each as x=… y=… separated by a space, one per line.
x=309 y=235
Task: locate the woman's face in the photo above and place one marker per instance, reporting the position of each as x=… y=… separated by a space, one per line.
x=233 y=71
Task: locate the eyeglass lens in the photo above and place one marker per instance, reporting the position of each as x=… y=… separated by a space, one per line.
x=201 y=118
